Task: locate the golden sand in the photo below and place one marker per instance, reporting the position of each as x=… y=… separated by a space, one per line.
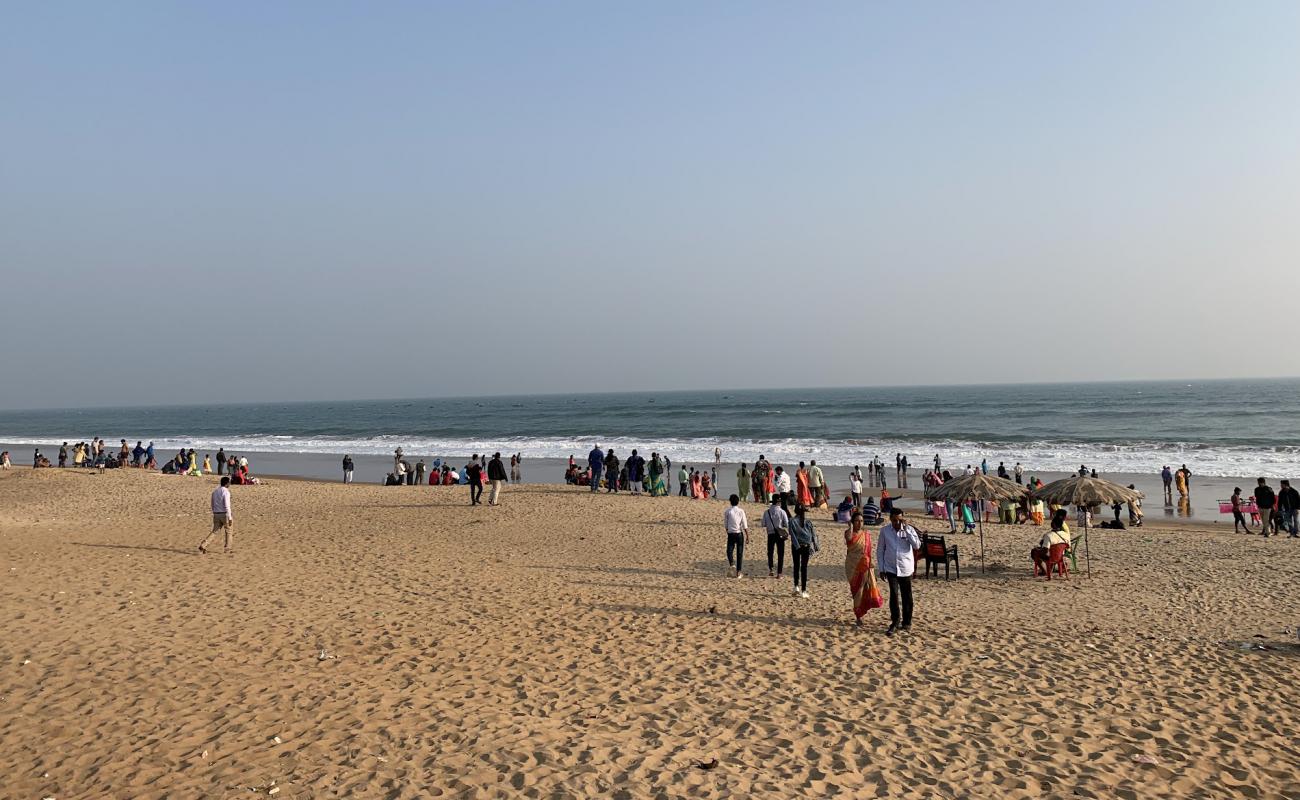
x=395 y=642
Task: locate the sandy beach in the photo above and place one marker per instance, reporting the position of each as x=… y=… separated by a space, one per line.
x=397 y=642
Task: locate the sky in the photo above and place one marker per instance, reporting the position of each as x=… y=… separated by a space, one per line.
x=218 y=202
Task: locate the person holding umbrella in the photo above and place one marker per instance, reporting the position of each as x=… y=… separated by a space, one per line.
x=896 y=562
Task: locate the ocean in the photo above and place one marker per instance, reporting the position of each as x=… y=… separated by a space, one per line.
x=1218 y=428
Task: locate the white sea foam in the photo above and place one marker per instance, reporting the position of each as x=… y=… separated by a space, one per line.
x=956 y=454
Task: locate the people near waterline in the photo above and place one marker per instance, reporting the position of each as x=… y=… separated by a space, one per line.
x=1180 y=482
x=1265 y=499
x=1019 y=472
x=706 y=485
x=419 y=472
x=474 y=478
x=1167 y=478
x=717 y=456
x=713 y=482
x=207 y=464
x=1238 y=518
x=984 y=466
x=612 y=464
x=737 y=526
x=223 y=516
x=658 y=487
x=63 y=455
x=803 y=543
x=777 y=524
x=782 y=486
x=348 y=466
x=1288 y=507
x=1135 y=510
x=744 y=482
x=802 y=492
x=596 y=463
x=855 y=487
x=1002 y=470
x=636 y=467
x=860 y=568
x=1187 y=479
x=817 y=483
x=496 y=474
x=221 y=459
x=894 y=555
x=683 y=481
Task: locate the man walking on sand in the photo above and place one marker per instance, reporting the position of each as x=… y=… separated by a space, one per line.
x=895 y=560
x=223 y=518
x=596 y=462
x=496 y=477
x=474 y=478
x=737 y=525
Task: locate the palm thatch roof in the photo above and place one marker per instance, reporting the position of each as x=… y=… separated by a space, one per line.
x=1084 y=491
x=976 y=487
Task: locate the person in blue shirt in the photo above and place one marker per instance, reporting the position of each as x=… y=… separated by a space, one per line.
x=596 y=461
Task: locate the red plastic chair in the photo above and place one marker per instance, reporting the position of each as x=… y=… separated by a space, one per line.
x=1056 y=560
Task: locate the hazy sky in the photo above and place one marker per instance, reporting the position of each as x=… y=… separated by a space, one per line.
x=225 y=201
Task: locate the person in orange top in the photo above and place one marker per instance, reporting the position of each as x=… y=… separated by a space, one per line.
x=803 y=494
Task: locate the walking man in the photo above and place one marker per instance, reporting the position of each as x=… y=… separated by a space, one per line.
x=474 y=477
x=783 y=489
x=635 y=472
x=682 y=477
x=223 y=518
x=737 y=525
x=817 y=482
x=896 y=562
x=1167 y=478
x=777 y=524
x=496 y=476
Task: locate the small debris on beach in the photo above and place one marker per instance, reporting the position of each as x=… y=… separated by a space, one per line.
x=710 y=764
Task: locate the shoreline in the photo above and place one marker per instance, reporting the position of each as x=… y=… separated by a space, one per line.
x=1201 y=508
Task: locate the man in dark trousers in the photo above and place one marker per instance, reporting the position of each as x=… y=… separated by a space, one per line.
x=474 y=477
x=1288 y=504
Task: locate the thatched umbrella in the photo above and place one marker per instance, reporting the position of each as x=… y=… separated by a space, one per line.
x=977 y=487
x=1084 y=491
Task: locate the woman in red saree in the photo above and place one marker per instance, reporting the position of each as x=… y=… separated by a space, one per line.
x=695 y=486
x=859 y=568
x=803 y=494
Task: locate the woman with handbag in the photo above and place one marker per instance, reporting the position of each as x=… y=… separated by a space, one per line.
x=803 y=543
x=859 y=568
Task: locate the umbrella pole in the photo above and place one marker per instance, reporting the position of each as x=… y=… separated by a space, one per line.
x=1087 y=552
x=981 y=542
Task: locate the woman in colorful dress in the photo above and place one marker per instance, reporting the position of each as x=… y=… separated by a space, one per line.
x=803 y=494
x=859 y=568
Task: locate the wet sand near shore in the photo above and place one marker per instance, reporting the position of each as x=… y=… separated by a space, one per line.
x=397 y=642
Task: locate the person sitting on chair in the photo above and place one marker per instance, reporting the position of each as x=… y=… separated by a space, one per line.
x=1057 y=534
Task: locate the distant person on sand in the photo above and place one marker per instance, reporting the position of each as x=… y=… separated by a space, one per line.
x=743 y=482
x=894 y=554
x=717 y=456
x=1238 y=519
x=737 y=526
x=777 y=524
x=635 y=473
x=419 y=472
x=817 y=482
x=223 y=517
x=1186 y=485
x=611 y=472
x=938 y=465
x=802 y=488
x=1180 y=481
x=1288 y=506
x=803 y=543
x=1265 y=500
x=596 y=463
x=63 y=455
x=783 y=488
x=4 y=460
x=1167 y=478
x=855 y=487
x=496 y=472
x=683 y=478
x=859 y=568
x=474 y=477
x=221 y=459
x=1019 y=472
x=713 y=482
x=347 y=467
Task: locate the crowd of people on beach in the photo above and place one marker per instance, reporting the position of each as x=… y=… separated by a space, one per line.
x=95 y=455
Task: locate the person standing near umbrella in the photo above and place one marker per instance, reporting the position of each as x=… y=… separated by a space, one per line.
x=896 y=561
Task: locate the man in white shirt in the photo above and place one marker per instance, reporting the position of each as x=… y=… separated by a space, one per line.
x=817 y=482
x=896 y=562
x=783 y=489
x=737 y=525
x=222 y=517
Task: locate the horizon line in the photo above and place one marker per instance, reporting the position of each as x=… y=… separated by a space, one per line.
x=651 y=392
